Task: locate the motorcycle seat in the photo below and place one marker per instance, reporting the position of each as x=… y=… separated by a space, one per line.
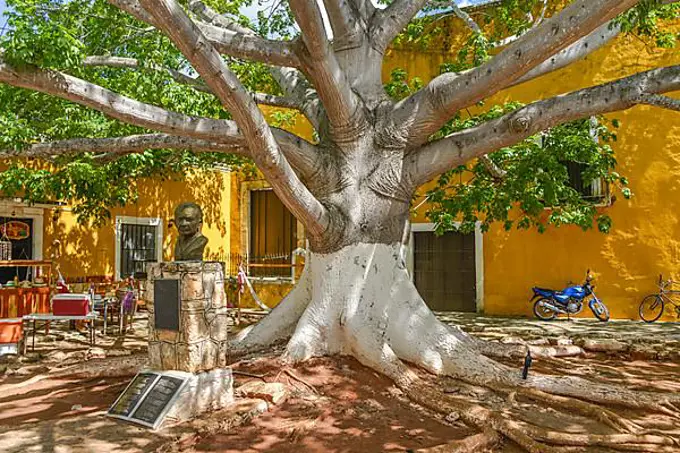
x=558 y=295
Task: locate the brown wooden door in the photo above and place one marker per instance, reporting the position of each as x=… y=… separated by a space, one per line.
x=444 y=270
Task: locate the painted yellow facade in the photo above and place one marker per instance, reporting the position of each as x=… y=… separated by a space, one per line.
x=644 y=242
x=645 y=239
x=87 y=251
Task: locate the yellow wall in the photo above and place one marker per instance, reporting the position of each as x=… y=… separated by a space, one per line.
x=644 y=242
x=88 y=251
x=645 y=239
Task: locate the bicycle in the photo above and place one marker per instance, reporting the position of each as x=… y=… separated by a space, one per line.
x=652 y=306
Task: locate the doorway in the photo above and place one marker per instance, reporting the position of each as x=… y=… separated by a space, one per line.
x=447 y=270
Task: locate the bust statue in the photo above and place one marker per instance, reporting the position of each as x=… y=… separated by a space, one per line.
x=190 y=243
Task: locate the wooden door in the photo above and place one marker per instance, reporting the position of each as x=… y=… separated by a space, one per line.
x=444 y=270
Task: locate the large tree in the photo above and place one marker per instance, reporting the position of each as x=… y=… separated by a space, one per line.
x=153 y=76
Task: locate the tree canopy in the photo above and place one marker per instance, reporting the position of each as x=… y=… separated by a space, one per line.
x=96 y=41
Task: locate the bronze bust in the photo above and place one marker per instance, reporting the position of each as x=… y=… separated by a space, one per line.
x=190 y=243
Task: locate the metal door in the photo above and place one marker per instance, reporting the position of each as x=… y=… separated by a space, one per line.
x=444 y=270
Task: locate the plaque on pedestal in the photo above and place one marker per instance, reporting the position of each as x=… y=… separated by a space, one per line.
x=154 y=397
x=166 y=304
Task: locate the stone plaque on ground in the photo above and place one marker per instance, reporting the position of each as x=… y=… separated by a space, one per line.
x=166 y=313
x=125 y=404
x=148 y=398
x=156 y=398
x=156 y=401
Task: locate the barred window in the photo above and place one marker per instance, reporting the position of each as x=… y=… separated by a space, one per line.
x=138 y=246
x=595 y=190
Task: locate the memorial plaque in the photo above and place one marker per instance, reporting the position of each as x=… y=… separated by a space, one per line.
x=166 y=304
x=131 y=396
x=148 y=398
x=154 y=405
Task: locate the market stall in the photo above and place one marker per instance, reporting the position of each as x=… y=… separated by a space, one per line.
x=19 y=298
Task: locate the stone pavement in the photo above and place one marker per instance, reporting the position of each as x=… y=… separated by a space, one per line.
x=660 y=340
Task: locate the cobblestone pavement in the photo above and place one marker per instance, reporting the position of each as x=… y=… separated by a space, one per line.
x=621 y=335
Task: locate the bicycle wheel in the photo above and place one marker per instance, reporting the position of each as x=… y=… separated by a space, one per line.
x=651 y=308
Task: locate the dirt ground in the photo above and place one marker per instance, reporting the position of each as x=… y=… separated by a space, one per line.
x=341 y=407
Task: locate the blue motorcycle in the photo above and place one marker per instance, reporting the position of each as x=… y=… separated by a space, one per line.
x=550 y=303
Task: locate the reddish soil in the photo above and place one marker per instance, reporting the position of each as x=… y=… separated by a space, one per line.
x=56 y=398
x=348 y=408
x=356 y=410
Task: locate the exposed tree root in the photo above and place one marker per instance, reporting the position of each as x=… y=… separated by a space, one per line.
x=279 y=324
x=472 y=414
x=594 y=411
x=474 y=443
x=612 y=441
x=383 y=322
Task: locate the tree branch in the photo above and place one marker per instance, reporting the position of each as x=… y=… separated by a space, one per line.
x=119 y=146
x=195 y=83
x=117 y=106
x=496 y=171
x=229 y=42
x=659 y=101
x=386 y=24
x=576 y=51
x=469 y=21
x=302 y=155
x=291 y=81
x=186 y=35
x=458 y=148
x=364 y=9
x=428 y=109
x=133 y=63
x=346 y=22
x=341 y=105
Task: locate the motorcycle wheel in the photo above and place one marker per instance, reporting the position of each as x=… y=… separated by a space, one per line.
x=542 y=312
x=600 y=310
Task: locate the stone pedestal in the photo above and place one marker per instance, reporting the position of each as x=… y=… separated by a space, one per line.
x=200 y=344
x=208 y=391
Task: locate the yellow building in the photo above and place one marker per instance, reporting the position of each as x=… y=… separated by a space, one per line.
x=498 y=268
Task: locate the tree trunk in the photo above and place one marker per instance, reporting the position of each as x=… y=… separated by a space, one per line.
x=360 y=301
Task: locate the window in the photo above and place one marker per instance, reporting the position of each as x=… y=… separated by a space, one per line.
x=596 y=191
x=273 y=236
x=138 y=241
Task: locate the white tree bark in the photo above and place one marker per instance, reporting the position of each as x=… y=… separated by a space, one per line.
x=117 y=106
x=656 y=100
x=302 y=155
x=291 y=81
x=458 y=148
x=229 y=42
x=341 y=105
x=575 y=52
x=113 y=147
x=387 y=23
x=227 y=88
x=280 y=323
x=428 y=109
